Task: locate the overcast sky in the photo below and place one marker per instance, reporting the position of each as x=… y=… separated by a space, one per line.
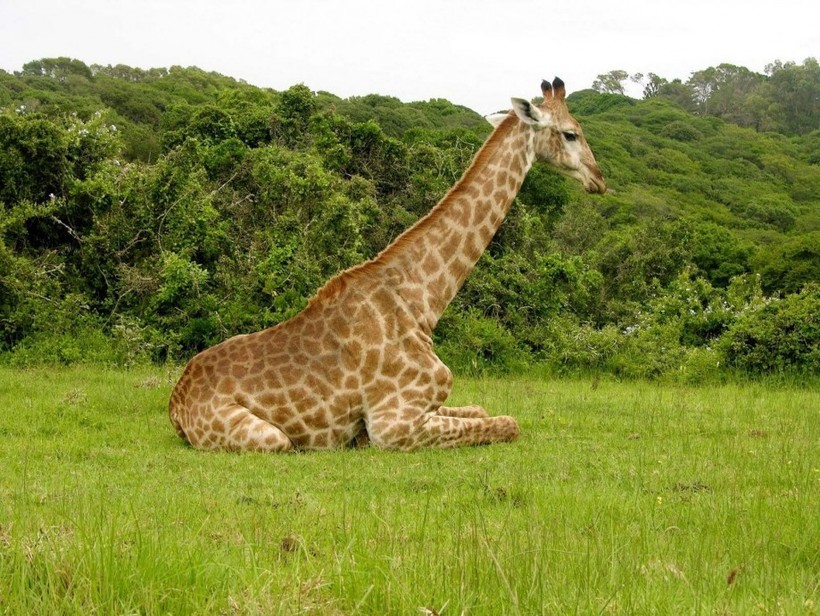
x=475 y=53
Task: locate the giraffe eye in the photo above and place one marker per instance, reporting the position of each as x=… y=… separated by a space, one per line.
x=570 y=136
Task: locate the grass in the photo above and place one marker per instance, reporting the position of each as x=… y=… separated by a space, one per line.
x=618 y=499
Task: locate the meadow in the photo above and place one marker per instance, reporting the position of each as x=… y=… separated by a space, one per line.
x=619 y=498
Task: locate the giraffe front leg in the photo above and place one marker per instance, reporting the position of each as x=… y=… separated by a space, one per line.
x=234 y=428
x=462 y=411
x=406 y=430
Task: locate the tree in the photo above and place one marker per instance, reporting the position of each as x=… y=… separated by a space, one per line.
x=796 y=90
x=56 y=68
x=653 y=85
x=611 y=82
x=679 y=93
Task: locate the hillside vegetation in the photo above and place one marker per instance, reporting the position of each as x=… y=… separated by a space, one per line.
x=150 y=214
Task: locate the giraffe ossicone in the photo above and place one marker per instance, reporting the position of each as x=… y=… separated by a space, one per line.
x=358 y=363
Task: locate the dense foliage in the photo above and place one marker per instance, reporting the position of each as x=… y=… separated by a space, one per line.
x=149 y=214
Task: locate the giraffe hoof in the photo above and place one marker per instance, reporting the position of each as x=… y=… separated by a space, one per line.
x=508 y=429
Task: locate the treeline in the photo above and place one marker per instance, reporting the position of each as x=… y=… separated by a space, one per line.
x=150 y=214
x=785 y=99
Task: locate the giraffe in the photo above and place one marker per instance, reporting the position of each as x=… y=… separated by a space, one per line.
x=357 y=364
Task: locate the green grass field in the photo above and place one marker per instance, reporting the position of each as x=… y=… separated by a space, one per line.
x=618 y=499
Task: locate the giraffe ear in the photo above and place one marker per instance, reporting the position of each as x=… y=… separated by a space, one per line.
x=530 y=114
x=496 y=118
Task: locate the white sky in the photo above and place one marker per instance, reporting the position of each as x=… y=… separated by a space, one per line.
x=476 y=53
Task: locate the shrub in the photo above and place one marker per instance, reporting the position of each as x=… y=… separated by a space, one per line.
x=681 y=131
x=781 y=335
x=649 y=352
x=477 y=344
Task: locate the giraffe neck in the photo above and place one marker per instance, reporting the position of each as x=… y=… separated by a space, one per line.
x=435 y=256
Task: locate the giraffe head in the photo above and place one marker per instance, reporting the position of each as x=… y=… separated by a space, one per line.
x=559 y=140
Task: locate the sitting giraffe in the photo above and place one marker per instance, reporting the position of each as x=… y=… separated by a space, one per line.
x=357 y=363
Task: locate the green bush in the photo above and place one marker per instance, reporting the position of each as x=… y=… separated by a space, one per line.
x=781 y=335
x=649 y=352
x=681 y=131
x=477 y=344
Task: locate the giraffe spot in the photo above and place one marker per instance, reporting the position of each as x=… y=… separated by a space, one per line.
x=254 y=384
x=391 y=325
x=289 y=373
x=458 y=272
x=380 y=389
x=340 y=326
x=387 y=407
x=412 y=395
x=452 y=246
x=237 y=353
x=351 y=356
x=217 y=425
x=409 y=374
x=440 y=285
x=298 y=395
x=312 y=329
x=270 y=438
x=459 y=212
x=320 y=441
x=372 y=361
x=430 y=265
x=334 y=373
x=281 y=417
x=488 y=187
x=371 y=332
x=311 y=346
x=384 y=301
x=329 y=342
x=399 y=430
x=227 y=386
x=318 y=420
x=471 y=248
x=351 y=382
x=392 y=367
x=480 y=212
x=472 y=191
x=296 y=430
x=486 y=232
x=271 y=400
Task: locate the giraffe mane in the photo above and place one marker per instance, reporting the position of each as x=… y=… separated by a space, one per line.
x=336 y=286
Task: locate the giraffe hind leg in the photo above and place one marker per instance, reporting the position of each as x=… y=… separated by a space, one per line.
x=462 y=411
x=235 y=428
x=413 y=430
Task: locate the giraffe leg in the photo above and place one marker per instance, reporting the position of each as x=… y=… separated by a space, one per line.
x=408 y=430
x=462 y=411
x=235 y=428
